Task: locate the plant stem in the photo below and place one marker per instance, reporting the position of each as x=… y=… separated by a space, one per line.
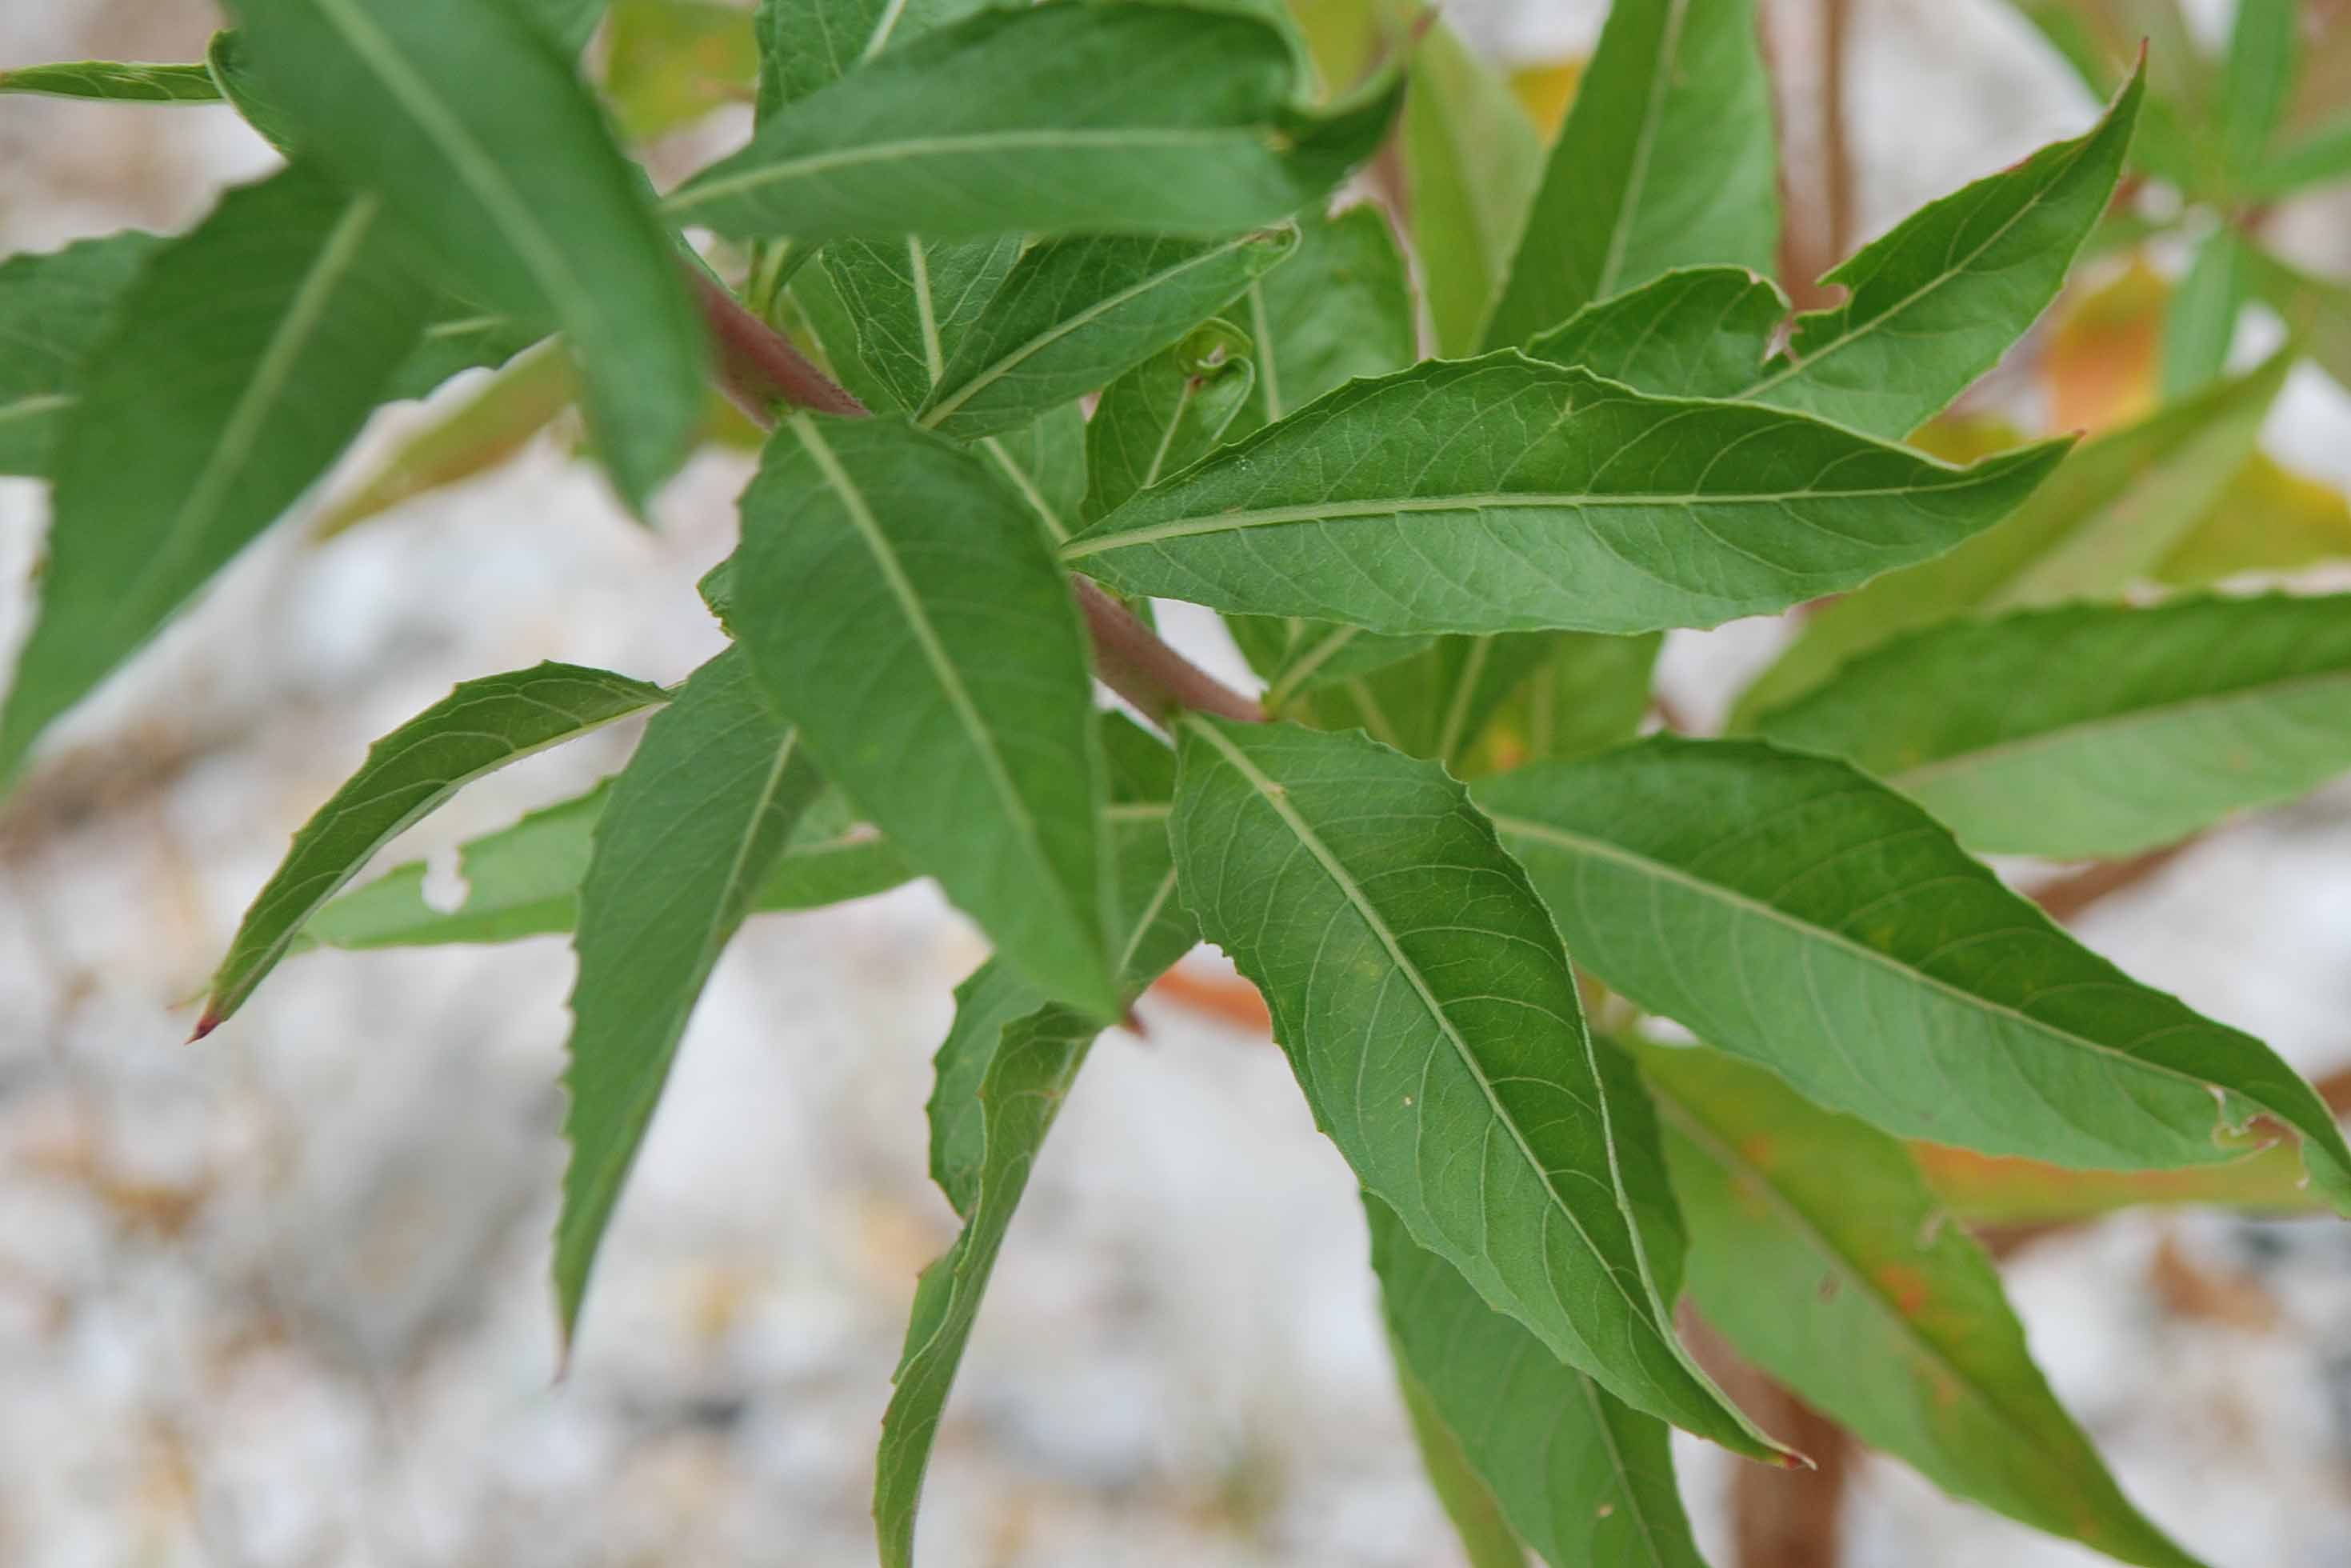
x=759 y=368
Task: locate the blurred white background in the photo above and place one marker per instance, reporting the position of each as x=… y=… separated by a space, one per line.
x=280 y=1300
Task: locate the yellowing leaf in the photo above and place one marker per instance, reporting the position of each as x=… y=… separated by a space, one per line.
x=2101 y=367
x=1545 y=91
x=2269 y=518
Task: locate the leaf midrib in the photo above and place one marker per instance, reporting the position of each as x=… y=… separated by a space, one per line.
x=1276 y=797
x=1241 y=520
x=2154 y=714
x=942 y=409
x=1578 y=843
x=1620 y=232
x=943 y=669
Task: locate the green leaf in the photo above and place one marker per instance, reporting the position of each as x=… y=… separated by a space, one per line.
x=53 y=308
x=2101 y=39
x=906 y=305
x=2318 y=157
x=805 y=44
x=1500 y=494
x=2202 y=320
x=1930 y=307
x=1166 y=415
x=477 y=728
x=1435 y=704
x=1419 y=989
x=695 y=821
x=1590 y=694
x=1486 y=1538
x=117 y=81
x=1045 y=464
x=2096 y=731
x=1297 y=656
x=2110 y=514
x=568 y=24
x=2317 y=310
x=901 y=606
x=474 y=128
x=1666 y=160
x=1581 y=1477
x=2267 y=518
x=1077 y=313
x=524 y=880
x=461 y=340
x=670 y=62
x=1818 y=1251
x=1472 y=162
x=1340 y=307
x=1003 y=1071
x=1791 y=910
x=2256 y=80
x=1058 y=118
x=287 y=316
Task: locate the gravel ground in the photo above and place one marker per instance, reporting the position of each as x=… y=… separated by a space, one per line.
x=281 y=1300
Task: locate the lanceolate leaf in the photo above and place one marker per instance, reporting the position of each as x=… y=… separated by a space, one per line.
x=2202 y=321
x=901 y=606
x=1666 y=160
x=907 y=304
x=2095 y=730
x=471 y=123
x=120 y=81
x=2257 y=81
x=524 y=880
x=1590 y=693
x=1500 y=494
x=1791 y=909
x=288 y=317
x=1076 y=313
x=1045 y=464
x=1166 y=415
x=1059 y=119
x=1297 y=656
x=1002 y=1072
x=478 y=728
x=1418 y=988
x=53 y=307
x=1472 y=160
x=1583 y=1478
x=1818 y=1251
x=1931 y=305
x=2267 y=518
x=2110 y=514
x=695 y=821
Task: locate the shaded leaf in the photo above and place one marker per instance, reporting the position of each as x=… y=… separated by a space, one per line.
x=477 y=728
x=1666 y=161
x=461 y=340
x=1297 y=656
x=1045 y=464
x=53 y=308
x=116 y=81
x=1340 y=307
x=181 y=446
x=1824 y=1257
x=1791 y=909
x=2096 y=731
x=1486 y=1538
x=695 y=823
x=473 y=126
x=568 y=24
x=1590 y=694
x=903 y=608
x=905 y=307
x=1421 y=994
x=1984 y=1189
x=805 y=44
x=1501 y=494
x=1585 y=1480
x=1696 y=332
x=1472 y=162
x=2110 y=514
x=1435 y=704
x=1076 y=313
x=1135 y=118
x=2256 y=80
x=1166 y=415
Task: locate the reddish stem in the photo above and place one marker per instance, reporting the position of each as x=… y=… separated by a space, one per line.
x=761 y=369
